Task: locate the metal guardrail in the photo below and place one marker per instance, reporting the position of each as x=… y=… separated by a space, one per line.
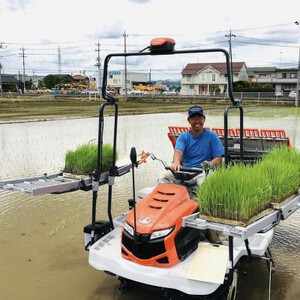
x=257 y=97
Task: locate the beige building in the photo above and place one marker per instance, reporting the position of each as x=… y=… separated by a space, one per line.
x=210 y=78
x=282 y=79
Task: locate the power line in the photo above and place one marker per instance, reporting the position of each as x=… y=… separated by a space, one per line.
x=37 y=51
x=265 y=44
x=149 y=34
x=258 y=39
x=263 y=27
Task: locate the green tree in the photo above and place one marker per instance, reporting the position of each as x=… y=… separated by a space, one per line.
x=67 y=80
x=241 y=84
x=28 y=84
x=268 y=86
x=51 y=81
x=41 y=83
x=12 y=87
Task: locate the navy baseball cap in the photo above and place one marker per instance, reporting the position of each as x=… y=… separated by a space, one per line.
x=193 y=110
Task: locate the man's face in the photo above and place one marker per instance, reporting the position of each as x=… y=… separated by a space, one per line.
x=197 y=121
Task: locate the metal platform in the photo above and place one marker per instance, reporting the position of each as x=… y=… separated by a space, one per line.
x=47 y=184
x=59 y=183
x=105 y=255
x=261 y=225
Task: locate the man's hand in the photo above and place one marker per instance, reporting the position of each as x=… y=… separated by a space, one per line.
x=207 y=165
x=175 y=167
x=177 y=159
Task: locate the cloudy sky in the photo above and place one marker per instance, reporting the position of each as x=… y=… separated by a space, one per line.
x=264 y=33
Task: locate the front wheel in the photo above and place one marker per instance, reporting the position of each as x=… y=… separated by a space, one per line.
x=175 y=295
x=233 y=287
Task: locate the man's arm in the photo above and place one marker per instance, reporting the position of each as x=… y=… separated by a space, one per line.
x=177 y=159
x=216 y=161
x=213 y=163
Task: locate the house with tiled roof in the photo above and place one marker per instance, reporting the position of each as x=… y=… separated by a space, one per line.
x=80 y=79
x=10 y=83
x=210 y=78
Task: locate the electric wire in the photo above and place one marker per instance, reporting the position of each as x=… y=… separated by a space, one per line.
x=80 y=47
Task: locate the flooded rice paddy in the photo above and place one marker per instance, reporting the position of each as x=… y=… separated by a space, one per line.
x=41 y=240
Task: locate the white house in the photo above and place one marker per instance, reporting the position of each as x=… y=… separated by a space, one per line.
x=117 y=79
x=34 y=78
x=209 y=78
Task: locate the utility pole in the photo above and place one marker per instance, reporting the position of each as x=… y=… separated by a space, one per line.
x=298 y=78
x=23 y=56
x=280 y=59
x=98 y=65
x=1 y=92
x=229 y=36
x=125 y=61
x=59 y=60
x=297 y=89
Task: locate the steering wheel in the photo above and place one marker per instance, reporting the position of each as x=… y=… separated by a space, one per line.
x=185 y=174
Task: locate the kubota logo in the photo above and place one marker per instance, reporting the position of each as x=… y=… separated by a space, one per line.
x=145 y=220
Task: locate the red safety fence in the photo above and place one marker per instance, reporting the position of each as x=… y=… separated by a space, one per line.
x=178 y=129
x=221 y=131
x=275 y=135
x=248 y=132
x=272 y=133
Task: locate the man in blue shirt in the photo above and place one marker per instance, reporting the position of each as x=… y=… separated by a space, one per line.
x=198 y=145
x=198 y=148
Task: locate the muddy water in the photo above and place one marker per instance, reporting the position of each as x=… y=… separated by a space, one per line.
x=41 y=241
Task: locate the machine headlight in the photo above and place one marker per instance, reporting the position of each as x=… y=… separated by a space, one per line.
x=160 y=233
x=129 y=229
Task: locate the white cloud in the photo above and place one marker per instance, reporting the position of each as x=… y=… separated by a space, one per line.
x=43 y=25
x=18 y=4
x=140 y=1
x=111 y=31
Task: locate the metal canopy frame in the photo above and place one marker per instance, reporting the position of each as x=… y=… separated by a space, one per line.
x=110 y=100
x=236 y=103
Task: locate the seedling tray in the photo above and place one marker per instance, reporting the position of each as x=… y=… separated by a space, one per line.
x=262 y=223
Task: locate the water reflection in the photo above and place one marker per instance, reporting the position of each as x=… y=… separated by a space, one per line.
x=42 y=236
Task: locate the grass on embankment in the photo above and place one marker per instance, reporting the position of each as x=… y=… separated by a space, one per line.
x=50 y=106
x=241 y=192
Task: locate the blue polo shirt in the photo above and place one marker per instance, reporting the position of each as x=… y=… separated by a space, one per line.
x=196 y=150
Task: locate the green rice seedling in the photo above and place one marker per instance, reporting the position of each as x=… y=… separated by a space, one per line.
x=84 y=159
x=241 y=192
x=235 y=193
x=282 y=176
x=282 y=168
x=286 y=155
